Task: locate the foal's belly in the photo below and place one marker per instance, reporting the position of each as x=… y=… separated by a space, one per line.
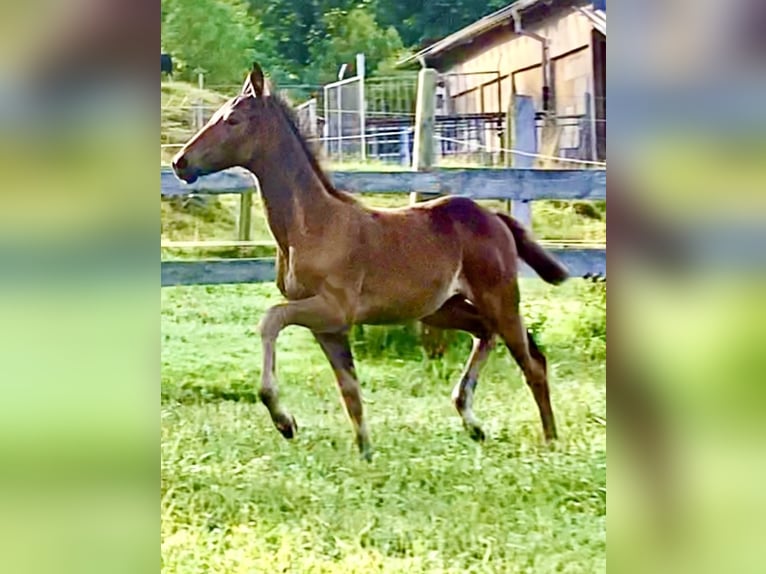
x=403 y=302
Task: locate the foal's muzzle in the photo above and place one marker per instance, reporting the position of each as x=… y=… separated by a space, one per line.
x=183 y=170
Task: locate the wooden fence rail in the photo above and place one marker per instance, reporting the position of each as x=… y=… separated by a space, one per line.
x=506 y=184
x=221 y=271
x=476 y=183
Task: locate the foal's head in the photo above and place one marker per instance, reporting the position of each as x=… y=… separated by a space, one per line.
x=239 y=131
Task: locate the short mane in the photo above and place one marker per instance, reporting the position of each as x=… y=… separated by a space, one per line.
x=310 y=150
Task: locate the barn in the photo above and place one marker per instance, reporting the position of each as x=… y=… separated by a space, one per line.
x=552 y=51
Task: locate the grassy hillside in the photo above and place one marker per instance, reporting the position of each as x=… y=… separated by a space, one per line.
x=178 y=100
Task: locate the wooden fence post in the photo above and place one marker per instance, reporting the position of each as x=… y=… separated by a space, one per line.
x=245 y=215
x=508 y=139
x=525 y=136
x=435 y=341
x=423 y=147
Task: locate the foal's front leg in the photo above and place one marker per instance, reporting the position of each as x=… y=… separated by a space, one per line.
x=316 y=314
x=338 y=351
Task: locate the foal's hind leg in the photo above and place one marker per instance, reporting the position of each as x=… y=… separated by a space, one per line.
x=502 y=306
x=338 y=352
x=532 y=362
x=458 y=313
x=544 y=398
x=462 y=394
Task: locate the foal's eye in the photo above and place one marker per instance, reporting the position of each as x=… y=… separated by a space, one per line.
x=232 y=121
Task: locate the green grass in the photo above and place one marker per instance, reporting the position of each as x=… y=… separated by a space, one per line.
x=237 y=497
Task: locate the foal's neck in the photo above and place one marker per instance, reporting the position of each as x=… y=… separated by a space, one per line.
x=297 y=202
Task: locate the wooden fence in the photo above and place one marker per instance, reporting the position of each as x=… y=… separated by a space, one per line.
x=519 y=185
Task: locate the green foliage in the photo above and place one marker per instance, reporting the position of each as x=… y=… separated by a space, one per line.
x=581 y=324
x=218 y=36
x=591 y=323
x=377 y=341
x=348 y=33
x=420 y=22
x=294 y=27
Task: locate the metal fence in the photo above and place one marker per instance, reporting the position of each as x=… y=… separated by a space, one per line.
x=359 y=118
x=344 y=120
x=369 y=118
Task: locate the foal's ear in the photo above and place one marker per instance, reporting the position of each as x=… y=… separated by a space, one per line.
x=255 y=83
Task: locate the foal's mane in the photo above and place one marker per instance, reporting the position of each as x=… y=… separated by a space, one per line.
x=311 y=150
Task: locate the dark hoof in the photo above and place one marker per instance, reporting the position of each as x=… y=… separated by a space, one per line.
x=365 y=448
x=286 y=425
x=475 y=432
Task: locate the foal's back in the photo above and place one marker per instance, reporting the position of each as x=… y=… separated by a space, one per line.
x=451 y=234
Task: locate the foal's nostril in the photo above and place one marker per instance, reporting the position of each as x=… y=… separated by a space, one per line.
x=180 y=163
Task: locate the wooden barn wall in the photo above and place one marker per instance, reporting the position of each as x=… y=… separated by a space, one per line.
x=518 y=60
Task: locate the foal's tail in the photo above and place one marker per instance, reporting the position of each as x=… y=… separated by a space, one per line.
x=544 y=264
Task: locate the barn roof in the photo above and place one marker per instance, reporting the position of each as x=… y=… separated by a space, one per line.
x=500 y=18
x=596 y=16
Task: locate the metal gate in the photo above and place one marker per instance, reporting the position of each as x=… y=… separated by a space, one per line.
x=344 y=116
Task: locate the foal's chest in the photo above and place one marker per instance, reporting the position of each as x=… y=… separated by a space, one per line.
x=295 y=279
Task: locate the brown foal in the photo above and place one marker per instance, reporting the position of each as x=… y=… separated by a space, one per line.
x=448 y=262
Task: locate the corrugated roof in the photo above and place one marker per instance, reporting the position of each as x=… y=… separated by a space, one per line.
x=489 y=22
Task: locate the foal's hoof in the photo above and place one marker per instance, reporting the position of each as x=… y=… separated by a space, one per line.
x=475 y=432
x=366 y=454
x=286 y=425
x=365 y=448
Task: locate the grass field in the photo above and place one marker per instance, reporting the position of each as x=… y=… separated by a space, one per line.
x=237 y=497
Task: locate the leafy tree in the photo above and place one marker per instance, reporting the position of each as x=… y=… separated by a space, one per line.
x=347 y=34
x=422 y=21
x=219 y=36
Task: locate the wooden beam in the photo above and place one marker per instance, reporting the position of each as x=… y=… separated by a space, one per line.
x=524 y=184
x=423 y=146
x=479 y=183
x=217 y=271
x=385 y=181
x=245 y=216
x=224 y=271
x=525 y=138
x=228 y=181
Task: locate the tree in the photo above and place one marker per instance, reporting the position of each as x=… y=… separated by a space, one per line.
x=218 y=36
x=418 y=21
x=347 y=34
